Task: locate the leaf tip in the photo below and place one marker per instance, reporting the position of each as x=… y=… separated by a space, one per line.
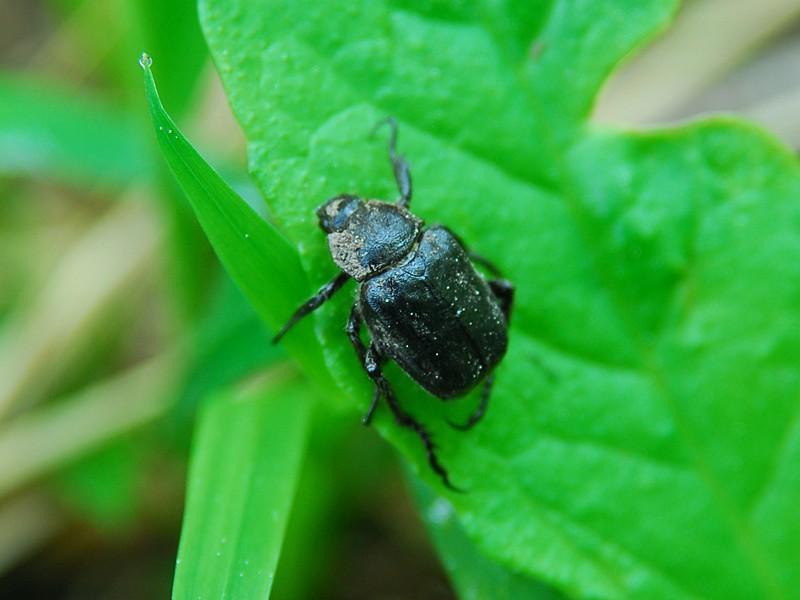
x=145 y=61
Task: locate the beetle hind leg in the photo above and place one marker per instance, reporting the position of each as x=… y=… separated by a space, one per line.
x=477 y=415
x=406 y=420
x=372 y=359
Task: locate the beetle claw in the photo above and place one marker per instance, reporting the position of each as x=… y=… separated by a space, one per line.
x=462 y=426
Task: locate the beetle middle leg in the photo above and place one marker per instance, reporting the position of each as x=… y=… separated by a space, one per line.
x=372 y=359
x=477 y=415
x=503 y=290
x=354 y=324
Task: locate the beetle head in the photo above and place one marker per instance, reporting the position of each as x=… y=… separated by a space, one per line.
x=334 y=212
x=367 y=236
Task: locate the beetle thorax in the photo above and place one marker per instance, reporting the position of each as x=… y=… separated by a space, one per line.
x=367 y=237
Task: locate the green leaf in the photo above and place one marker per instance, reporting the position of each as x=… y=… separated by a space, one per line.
x=261 y=262
x=228 y=343
x=245 y=464
x=172 y=32
x=473 y=574
x=47 y=131
x=644 y=426
x=104 y=486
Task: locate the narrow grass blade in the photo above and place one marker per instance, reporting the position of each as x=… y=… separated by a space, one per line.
x=244 y=470
x=261 y=262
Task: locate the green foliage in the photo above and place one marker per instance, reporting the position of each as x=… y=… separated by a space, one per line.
x=237 y=502
x=105 y=484
x=170 y=30
x=473 y=574
x=643 y=428
x=228 y=344
x=75 y=139
x=258 y=259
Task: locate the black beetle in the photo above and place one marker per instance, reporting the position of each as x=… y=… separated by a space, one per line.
x=425 y=305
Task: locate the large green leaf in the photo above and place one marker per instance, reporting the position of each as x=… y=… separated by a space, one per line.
x=643 y=429
x=473 y=575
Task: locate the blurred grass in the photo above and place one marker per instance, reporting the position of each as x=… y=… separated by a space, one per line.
x=115 y=318
x=719 y=55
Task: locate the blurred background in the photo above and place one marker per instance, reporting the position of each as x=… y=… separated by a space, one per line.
x=116 y=321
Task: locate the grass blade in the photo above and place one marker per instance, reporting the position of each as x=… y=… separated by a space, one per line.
x=261 y=262
x=244 y=470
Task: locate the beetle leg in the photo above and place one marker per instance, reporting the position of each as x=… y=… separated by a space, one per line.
x=479 y=412
x=485 y=263
x=313 y=303
x=376 y=395
x=476 y=258
x=354 y=333
x=400 y=166
x=402 y=175
x=371 y=359
x=372 y=364
x=503 y=290
x=406 y=420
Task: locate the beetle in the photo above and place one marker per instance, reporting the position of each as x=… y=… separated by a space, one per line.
x=424 y=303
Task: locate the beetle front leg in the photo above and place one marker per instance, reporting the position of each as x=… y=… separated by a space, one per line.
x=400 y=166
x=313 y=303
x=402 y=175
